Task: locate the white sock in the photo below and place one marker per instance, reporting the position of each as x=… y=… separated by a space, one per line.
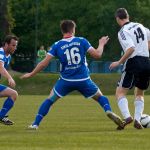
x=139 y=108
x=123 y=106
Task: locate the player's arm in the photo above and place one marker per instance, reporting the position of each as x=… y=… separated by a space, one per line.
x=39 y=67
x=128 y=44
x=5 y=74
x=97 y=53
x=126 y=55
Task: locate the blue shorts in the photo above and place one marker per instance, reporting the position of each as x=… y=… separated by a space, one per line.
x=2 y=87
x=87 y=87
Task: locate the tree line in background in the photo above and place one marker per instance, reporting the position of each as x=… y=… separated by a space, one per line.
x=37 y=22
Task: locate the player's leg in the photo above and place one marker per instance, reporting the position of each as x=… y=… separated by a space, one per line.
x=44 y=109
x=104 y=103
x=60 y=89
x=141 y=83
x=139 y=107
x=123 y=104
x=102 y=100
x=8 y=104
x=90 y=90
x=126 y=82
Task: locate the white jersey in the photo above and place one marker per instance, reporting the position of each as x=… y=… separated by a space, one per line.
x=135 y=35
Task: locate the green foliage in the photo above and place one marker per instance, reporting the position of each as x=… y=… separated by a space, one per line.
x=6 y=19
x=24 y=14
x=94 y=19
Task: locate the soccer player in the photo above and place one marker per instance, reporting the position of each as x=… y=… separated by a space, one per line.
x=9 y=47
x=74 y=74
x=134 y=39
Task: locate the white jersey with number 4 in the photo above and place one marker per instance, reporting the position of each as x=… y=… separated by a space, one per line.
x=135 y=35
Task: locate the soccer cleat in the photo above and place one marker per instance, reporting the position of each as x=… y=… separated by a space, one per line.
x=33 y=127
x=126 y=122
x=137 y=125
x=6 y=121
x=115 y=118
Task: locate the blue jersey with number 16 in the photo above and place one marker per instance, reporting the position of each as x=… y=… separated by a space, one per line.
x=71 y=53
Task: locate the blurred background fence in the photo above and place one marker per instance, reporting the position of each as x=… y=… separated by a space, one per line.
x=25 y=63
x=94 y=66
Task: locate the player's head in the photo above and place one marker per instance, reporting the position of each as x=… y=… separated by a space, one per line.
x=67 y=26
x=10 y=44
x=42 y=47
x=121 y=16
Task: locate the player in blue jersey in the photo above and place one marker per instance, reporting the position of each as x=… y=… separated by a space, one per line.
x=9 y=47
x=74 y=73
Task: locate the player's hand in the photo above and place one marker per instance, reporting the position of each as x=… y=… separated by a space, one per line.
x=114 y=65
x=11 y=82
x=27 y=75
x=103 y=40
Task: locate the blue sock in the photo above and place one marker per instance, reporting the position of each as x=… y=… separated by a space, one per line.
x=104 y=102
x=8 y=104
x=43 y=110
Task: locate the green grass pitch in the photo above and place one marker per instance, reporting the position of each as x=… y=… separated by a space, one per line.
x=73 y=123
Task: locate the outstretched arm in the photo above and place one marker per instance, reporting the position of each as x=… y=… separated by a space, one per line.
x=97 y=53
x=39 y=67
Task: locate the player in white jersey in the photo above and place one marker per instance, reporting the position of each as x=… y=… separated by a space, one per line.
x=8 y=48
x=135 y=41
x=74 y=75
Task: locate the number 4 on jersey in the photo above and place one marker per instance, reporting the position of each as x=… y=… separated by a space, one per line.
x=139 y=34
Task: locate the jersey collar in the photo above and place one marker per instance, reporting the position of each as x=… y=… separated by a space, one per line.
x=66 y=37
x=126 y=23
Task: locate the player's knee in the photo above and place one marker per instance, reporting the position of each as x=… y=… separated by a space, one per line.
x=117 y=95
x=139 y=97
x=14 y=95
x=120 y=93
x=53 y=97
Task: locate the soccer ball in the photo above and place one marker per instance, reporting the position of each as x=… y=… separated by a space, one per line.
x=145 y=121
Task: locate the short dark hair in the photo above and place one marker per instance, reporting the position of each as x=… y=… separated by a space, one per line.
x=121 y=13
x=8 y=38
x=67 y=26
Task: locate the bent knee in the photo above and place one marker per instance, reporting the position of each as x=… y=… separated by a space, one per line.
x=119 y=95
x=120 y=92
x=14 y=95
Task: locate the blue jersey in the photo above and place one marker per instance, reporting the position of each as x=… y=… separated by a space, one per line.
x=5 y=59
x=72 y=55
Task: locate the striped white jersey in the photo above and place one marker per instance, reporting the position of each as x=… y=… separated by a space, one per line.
x=135 y=35
x=5 y=59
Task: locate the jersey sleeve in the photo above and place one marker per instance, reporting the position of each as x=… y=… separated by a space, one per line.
x=52 y=50
x=148 y=33
x=86 y=44
x=2 y=56
x=125 y=40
